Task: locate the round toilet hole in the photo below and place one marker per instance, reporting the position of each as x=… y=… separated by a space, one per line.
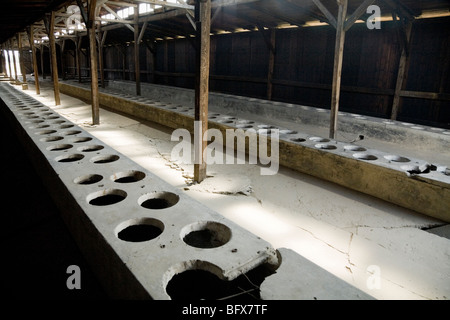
x=298 y=140
x=51 y=139
x=325 y=146
x=90 y=148
x=244 y=126
x=319 y=139
x=364 y=156
x=71 y=132
x=128 y=176
x=80 y=139
x=105 y=159
x=139 y=230
x=70 y=158
x=45 y=132
x=288 y=132
x=59 y=147
x=66 y=126
x=88 y=179
x=158 y=200
x=246 y=121
x=266 y=126
x=42 y=126
x=354 y=148
x=396 y=158
x=106 y=197
x=206 y=234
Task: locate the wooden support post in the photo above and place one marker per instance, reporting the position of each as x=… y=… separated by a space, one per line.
x=271 y=65
x=101 y=40
x=42 y=61
x=337 y=69
x=402 y=70
x=203 y=23
x=62 y=47
x=137 y=67
x=77 y=57
x=124 y=63
x=33 y=52
x=152 y=48
x=16 y=78
x=3 y=60
x=93 y=57
x=21 y=64
x=54 y=63
x=9 y=60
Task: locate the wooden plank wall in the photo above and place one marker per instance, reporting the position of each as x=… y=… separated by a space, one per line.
x=303 y=67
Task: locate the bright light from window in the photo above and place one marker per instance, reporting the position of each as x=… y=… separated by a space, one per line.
x=125 y=13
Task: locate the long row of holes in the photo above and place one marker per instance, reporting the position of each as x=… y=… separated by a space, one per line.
x=144 y=229
x=204 y=235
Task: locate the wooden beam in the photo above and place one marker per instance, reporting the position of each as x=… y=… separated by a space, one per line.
x=54 y=62
x=93 y=58
x=357 y=14
x=122 y=4
x=142 y=32
x=402 y=70
x=33 y=52
x=100 y=42
x=41 y=49
x=203 y=26
x=331 y=19
x=337 y=69
x=77 y=57
x=137 y=66
x=168 y=4
x=271 y=65
x=267 y=38
x=425 y=95
x=62 y=46
x=16 y=78
x=9 y=60
x=402 y=10
x=83 y=12
x=3 y=58
x=128 y=25
x=22 y=65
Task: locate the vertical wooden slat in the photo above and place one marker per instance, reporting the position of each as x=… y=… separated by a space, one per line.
x=54 y=62
x=337 y=69
x=16 y=79
x=21 y=63
x=137 y=66
x=62 y=47
x=9 y=60
x=402 y=68
x=271 y=65
x=93 y=58
x=203 y=22
x=124 y=63
x=100 y=57
x=77 y=57
x=3 y=59
x=35 y=65
x=42 y=61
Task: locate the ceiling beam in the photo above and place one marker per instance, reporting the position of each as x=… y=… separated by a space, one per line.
x=167 y=4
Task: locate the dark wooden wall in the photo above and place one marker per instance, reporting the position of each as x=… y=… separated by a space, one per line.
x=304 y=65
